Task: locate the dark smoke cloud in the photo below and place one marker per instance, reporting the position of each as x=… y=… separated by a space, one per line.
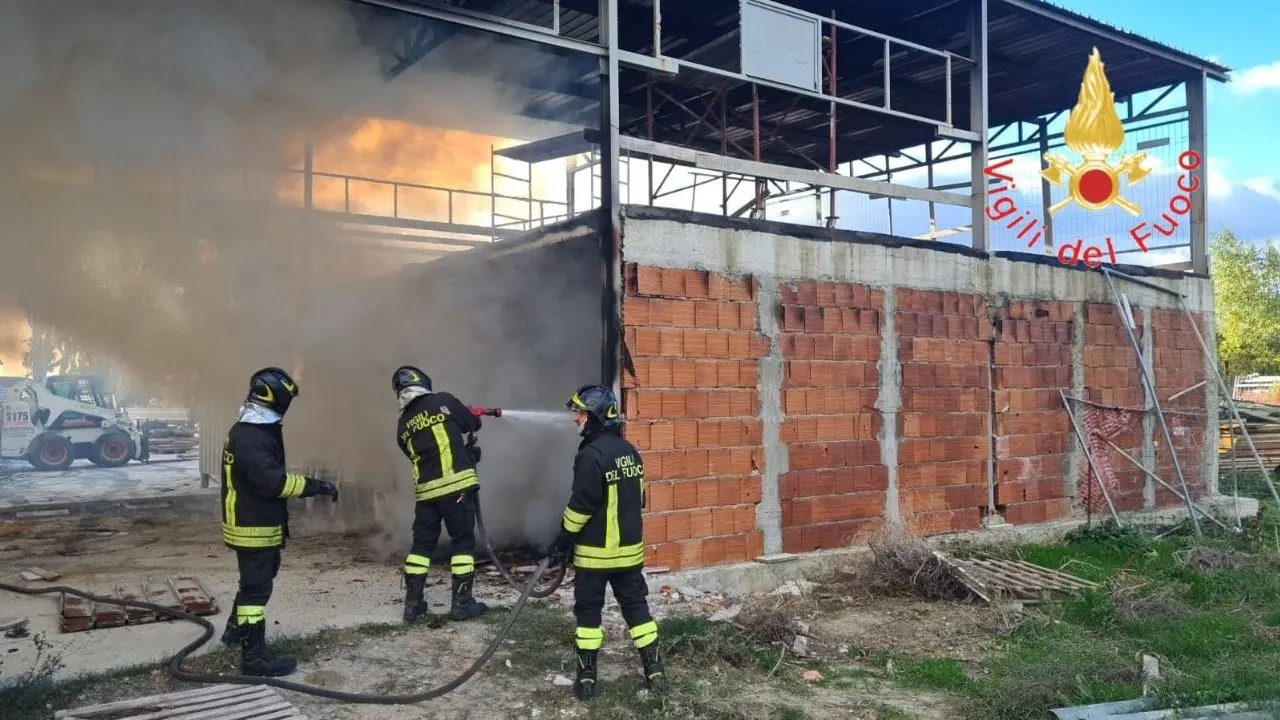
x=102 y=106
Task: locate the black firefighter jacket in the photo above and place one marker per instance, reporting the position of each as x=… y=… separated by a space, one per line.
x=431 y=434
x=607 y=505
x=256 y=488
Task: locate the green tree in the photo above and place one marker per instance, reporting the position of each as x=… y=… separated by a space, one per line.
x=1246 y=282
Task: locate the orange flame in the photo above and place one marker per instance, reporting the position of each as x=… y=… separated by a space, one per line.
x=391 y=168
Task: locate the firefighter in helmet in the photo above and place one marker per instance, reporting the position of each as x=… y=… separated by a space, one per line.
x=603 y=531
x=437 y=433
x=256 y=488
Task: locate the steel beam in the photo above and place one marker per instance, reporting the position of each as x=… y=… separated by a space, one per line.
x=1197 y=143
x=978 y=122
x=1046 y=10
x=499 y=26
x=610 y=199
x=750 y=168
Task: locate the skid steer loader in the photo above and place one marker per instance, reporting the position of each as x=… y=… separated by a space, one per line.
x=67 y=418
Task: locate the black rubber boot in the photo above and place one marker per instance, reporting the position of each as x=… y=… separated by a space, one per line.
x=465 y=606
x=256 y=659
x=414 y=604
x=584 y=685
x=655 y=673
x=231 y=635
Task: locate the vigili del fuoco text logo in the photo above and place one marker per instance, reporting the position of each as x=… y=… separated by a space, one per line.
x=1094 y=132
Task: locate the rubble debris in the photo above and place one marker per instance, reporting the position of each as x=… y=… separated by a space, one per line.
x=195 y=599
x=794 y=587
x=183 y=593
x=14 y=628
x=35 y=574
x=800 y=646
x=726 y=614
x=159 y=593
x=135 y=616
x=562 y=680
x=77 y=613
x=226 y=702
x=812 y=676
x=107 y=615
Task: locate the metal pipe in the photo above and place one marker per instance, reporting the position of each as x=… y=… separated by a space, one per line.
x=833 y=87
x=657 y=28
x=1167 y=486
x=1088 y=456
x=886 y=75
x=1231 y=402
x=1180 y=393
x=1150 y=385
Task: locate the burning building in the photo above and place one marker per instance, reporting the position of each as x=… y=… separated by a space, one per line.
x=771 y=228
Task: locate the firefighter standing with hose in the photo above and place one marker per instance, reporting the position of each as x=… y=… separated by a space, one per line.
x=431 y=434
x=256 y=488
x=603 y=530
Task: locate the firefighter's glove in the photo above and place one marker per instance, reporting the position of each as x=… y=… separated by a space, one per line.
x=323 y=487
x=560 y=550
x=473 y=449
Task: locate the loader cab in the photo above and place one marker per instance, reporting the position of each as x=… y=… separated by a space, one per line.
x=90 y=389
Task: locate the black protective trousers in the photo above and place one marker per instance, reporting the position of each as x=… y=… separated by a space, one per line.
x=631 y=592
x=258 y=570
x=458 y=513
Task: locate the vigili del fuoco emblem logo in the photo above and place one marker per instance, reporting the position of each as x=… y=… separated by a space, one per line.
x=1094 y=132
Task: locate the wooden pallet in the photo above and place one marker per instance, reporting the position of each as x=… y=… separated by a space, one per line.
x=216 y=702
x=1005 y=580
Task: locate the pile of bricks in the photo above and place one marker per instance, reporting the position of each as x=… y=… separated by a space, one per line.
x=944 y=448
x=1032 y=361
x=693 y=410
x=834 y=490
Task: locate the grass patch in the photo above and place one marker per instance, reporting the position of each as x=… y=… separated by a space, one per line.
x=1208 y=608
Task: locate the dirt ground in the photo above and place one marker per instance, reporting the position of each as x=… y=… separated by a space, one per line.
x=332 y=582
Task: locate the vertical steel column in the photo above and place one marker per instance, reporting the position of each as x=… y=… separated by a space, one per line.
x=833 y=87
x=978 y=121
x=755 y=148
x=1149 y=384
x=610 y=202
x=1197 y=117
x=648 y=121
x=724 y=150
x=1045 y=196
x=933 y=208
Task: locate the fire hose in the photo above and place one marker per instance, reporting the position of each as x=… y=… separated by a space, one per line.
x=178 y=673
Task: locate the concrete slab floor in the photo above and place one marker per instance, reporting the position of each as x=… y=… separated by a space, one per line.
x=25 y=488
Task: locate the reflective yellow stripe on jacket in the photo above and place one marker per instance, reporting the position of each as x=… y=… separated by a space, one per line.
x=612 y=556
x=251 y=537
x=452 y=482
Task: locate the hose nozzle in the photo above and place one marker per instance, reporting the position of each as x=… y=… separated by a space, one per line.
x=482 y=411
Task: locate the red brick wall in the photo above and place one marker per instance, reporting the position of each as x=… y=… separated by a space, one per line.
x=693 y=412
x=1111 y=377
x=943 y=448
x=1178 y=363
x=1031 y=363
x=834 y=491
